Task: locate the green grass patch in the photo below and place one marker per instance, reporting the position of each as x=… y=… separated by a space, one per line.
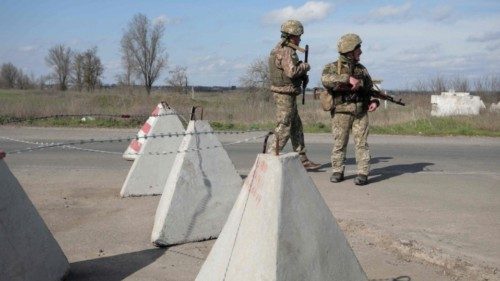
x=88 y=123
x=229 y=126
x=318 y=127
x=434 y=126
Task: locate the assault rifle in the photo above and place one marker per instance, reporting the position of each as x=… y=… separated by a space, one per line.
x=377 y=93
x=306 y=78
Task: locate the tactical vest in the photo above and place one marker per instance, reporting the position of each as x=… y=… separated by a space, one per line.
x=362 y=95
x=277 y=75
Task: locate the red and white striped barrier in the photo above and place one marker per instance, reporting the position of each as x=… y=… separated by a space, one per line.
x=136 y=146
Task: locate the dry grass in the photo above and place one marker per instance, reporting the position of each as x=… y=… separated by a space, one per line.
x=238 y=108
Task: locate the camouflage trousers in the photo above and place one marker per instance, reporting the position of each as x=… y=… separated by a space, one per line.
x=342 y=123
x=288 y=125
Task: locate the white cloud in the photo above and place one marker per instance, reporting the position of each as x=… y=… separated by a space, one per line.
x=216 y=69
x=388 y=13
x=485 y=37
x=493 y=47
x=376 y=47
x=432 y=48
x=114 y=65
x=28 y=48
x=391 y=11
x=163 y=19
x=442 y=13
x=310 y=11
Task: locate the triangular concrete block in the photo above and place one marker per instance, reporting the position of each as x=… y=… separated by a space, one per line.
x=200 y=190
x=150 y=170
x=28 y=251
x=155 y=124
x=281 y=229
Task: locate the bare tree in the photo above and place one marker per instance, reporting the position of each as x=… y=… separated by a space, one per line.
x=59 y=58
x=460 y=84
x=42 y=81
x=438 y=84
x=419 y=86
x=77 y=76
x=257 y=75
x=8 y=75
x=24 y=81
x=92 y=69
x=258 y=80
x=127 y=77
x=178 y=78
x=142 y=44
x=494 y=83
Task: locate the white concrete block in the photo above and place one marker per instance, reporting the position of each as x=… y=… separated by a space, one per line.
x=280 y=229
x=28 y=251
x=495 y=107
x=200 y=190
x=149 y=172
x=456 y=103
x=150 y=127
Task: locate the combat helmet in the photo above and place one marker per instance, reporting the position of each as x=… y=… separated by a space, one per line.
x=348 y=43
x=292 y=27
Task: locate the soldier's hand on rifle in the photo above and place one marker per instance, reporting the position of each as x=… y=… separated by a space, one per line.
x=373 y=105
x=356 y=83
x=305 y=66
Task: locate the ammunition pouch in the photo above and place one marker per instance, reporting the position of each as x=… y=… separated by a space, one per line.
x=349 y=97
x=326 y=100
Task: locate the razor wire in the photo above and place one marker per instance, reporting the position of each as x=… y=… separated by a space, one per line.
x=198 y=148
x=71 y=144
x=14 y=120
x=65 y=146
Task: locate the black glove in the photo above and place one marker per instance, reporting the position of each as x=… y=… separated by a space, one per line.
x=305 y=79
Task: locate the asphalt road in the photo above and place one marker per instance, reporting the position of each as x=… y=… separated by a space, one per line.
x=431 y=210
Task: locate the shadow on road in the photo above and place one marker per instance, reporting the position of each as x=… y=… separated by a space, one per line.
x=384 y=173
x=400 y=278
x=352 y=161
x=113 y=268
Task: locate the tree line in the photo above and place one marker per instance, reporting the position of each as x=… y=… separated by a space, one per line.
x=142 y=54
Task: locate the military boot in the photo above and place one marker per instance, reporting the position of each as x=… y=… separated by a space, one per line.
x=308 y=164
x=361 y=179
x=337 y=177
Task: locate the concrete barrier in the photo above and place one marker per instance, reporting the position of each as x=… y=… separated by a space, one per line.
x=149 y=173
x=495 y=107
x=28 y=251
x=280 y=229
x=200 y=190
x=151 y=126
x=456 y=103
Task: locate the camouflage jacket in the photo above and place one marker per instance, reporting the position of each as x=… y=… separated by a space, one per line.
x=285 y=70
x=335 y=79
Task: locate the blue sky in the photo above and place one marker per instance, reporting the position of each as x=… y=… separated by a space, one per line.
x=403 y=41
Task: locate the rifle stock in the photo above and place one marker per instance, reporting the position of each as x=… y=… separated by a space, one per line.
x=304 y=82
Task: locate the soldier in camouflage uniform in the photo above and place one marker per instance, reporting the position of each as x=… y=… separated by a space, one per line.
x=287 y=74
x=349 y=83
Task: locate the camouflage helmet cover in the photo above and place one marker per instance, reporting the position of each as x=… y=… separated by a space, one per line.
x=348 y=43
x=293 y=27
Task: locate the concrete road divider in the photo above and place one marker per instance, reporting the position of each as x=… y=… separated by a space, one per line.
x=28 y=251
x=149 y=173
x=280 y=229
x=155 y=124
x=200 y=190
